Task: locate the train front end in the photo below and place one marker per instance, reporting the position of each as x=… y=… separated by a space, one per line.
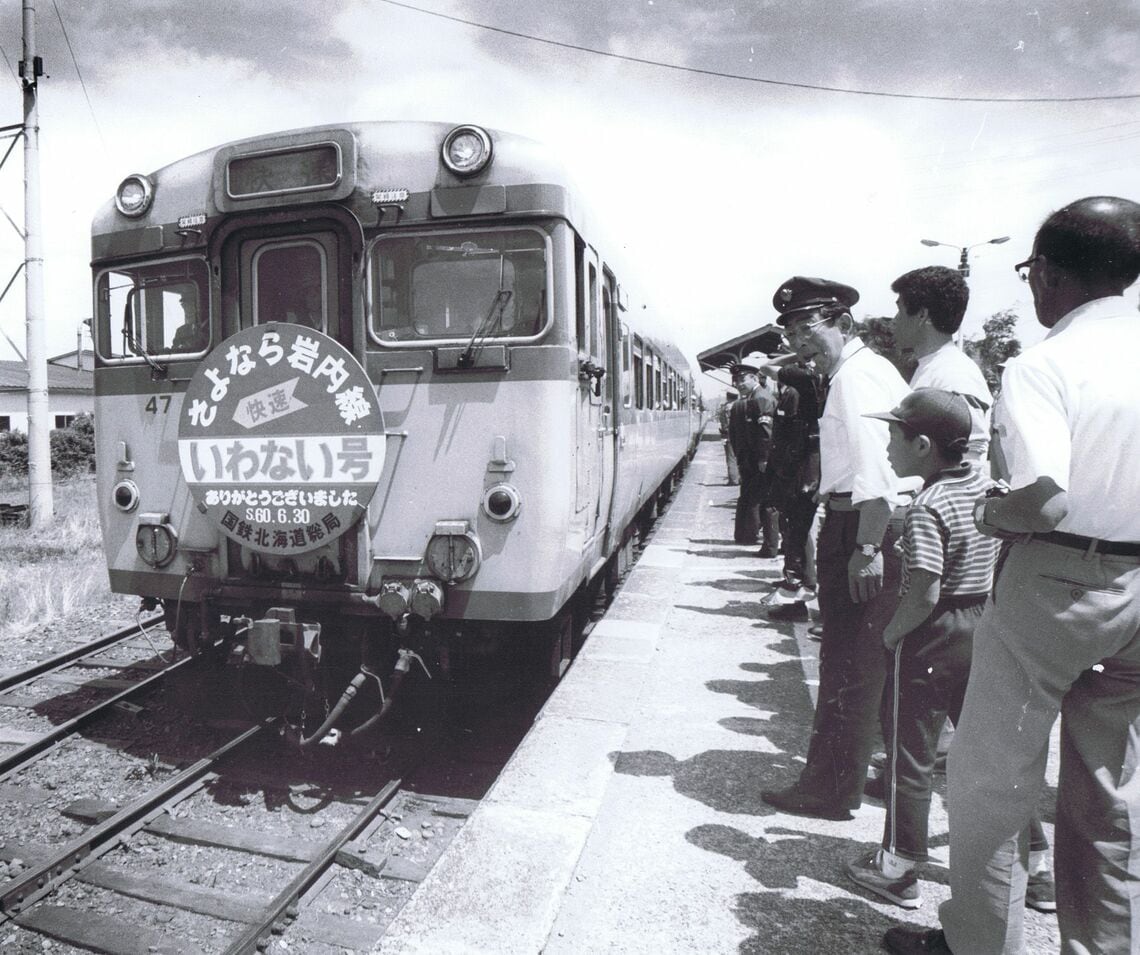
x=341 y=416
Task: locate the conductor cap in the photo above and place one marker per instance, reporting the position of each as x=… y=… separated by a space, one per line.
x=804 y=294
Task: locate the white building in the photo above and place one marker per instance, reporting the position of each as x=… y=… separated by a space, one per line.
x=71 y=390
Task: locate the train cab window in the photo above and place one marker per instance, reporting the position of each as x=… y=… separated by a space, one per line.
x=291 y=284
x=455 y=285
x=157 y=309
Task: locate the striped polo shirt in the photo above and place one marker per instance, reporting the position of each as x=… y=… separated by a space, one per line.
x=939 y=535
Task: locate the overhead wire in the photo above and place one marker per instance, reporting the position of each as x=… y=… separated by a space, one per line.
x=8 y=61
x=79 y=73
x=661 y=64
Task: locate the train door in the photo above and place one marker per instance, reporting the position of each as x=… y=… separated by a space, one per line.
x=595 y=458
x=617 y=395
x=285 y=276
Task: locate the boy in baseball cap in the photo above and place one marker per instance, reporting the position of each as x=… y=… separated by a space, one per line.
x=947 y=572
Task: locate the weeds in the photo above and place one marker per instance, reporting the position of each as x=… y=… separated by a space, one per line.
x=54 y=570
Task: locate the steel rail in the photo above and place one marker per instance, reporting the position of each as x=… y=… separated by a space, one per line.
x=286 y=900
x=40 y=880
x=25 y=754
x=61 y=660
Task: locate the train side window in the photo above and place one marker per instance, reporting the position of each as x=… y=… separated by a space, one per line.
x=157 y=309
x=291 y=283
x=626 y=365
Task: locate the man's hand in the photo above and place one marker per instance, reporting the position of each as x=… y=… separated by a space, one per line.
x=864 y=576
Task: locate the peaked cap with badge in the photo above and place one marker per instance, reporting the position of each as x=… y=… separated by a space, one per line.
x=801 y=293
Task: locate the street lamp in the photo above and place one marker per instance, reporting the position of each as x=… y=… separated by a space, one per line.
x=963 y=262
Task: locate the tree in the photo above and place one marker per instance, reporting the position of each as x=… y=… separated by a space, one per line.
x=879 y=334
x=997 y=345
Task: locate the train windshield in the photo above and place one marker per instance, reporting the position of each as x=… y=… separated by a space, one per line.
x=155 y=309
x=452 y=285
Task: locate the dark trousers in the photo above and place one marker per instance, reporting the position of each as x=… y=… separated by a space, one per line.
x=852 y=666
x=754 y=515
x=926 y=682
x=796 y=515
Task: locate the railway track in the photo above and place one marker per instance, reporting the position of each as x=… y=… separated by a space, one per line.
x=72 y=669
x=246 y=848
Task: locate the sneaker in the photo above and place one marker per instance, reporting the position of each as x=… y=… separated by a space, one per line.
x=868 y=872
x=1040 y=893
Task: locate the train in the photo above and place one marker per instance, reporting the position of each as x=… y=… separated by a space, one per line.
x=371 y=397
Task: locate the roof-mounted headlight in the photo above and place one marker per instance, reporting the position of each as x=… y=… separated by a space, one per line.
x=134 y=196
x=466 y=150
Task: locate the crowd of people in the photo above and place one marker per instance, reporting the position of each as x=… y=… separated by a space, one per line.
x=976 y=562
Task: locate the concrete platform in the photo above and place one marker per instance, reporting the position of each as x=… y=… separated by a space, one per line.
x=630 y=819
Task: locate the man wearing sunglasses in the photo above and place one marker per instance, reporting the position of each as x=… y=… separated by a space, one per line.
x=856 y=564
x=1061 y=632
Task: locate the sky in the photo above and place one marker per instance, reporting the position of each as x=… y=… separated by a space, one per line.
x=725 y=145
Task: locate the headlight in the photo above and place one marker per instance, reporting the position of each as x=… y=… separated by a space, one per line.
x=501 y=502
x=134 y=196
x=453 y=557
x=466 y=150
x=125 y=496
x=155 y=540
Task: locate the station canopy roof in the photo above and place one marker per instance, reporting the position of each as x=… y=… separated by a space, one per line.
x=769 y=340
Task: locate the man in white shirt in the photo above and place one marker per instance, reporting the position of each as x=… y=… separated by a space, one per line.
x=856 y=564
x=1061 y=633
x=931 y=304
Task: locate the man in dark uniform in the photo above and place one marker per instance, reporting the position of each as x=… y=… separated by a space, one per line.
x=793 y=476
x=750 y=433
x=858 y=569
x=729 y=456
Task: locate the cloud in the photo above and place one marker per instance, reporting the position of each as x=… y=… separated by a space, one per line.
x=951 y=48
x=283 y=39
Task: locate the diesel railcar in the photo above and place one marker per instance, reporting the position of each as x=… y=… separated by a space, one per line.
x=372 y=392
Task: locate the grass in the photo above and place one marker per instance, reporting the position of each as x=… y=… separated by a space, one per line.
x=55 y=570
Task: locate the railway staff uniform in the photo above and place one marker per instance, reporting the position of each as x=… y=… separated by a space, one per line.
x=750 y=433
x=856 y=563
x=793 y=475
x=1061 y=632
x=729 y=457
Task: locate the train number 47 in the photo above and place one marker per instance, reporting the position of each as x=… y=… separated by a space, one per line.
x=152 y=405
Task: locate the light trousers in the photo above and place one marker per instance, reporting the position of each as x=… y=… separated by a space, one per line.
x=1061 y=634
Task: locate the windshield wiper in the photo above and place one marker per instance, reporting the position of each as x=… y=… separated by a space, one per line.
x=483 y=329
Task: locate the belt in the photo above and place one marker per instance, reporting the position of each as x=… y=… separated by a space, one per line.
x=1090 y=545
x=840 y=501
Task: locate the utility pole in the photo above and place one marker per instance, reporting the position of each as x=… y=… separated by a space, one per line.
x=39 y=431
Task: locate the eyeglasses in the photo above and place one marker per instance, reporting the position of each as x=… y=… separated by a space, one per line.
x=1022 y=268
x=794 y=334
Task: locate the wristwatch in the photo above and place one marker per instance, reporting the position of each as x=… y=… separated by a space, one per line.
x=980 y=518
x=870 y=550
x=991 y=530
